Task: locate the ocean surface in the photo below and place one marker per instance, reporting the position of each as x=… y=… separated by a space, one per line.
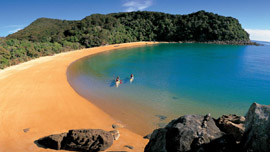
x=171 y=80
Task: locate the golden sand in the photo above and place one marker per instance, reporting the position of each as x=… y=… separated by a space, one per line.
x=36 y=100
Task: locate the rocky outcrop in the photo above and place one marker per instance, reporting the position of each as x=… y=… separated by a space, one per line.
x=232 y=124
x=79 y=140
x=196 y=133
x=257 y=132
x=187 y=133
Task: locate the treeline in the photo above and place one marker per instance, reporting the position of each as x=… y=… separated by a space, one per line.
x=48 y=36
x=97 y=29
x=14 y=51
x=43 y=30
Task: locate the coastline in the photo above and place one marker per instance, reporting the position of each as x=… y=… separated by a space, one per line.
x=36 y=100
x=222 y=42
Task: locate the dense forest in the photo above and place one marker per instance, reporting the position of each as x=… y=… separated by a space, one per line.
x=49 y=36
x=14 y=51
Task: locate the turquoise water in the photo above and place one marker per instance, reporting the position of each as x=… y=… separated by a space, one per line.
x=173 y=80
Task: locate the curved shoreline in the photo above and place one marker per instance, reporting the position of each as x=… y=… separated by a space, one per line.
x=36 y=100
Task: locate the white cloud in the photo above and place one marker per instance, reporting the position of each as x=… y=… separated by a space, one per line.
x=259 y=35
x=15 y=30
x=11 y=26
x=135 y=5
x=9 y=29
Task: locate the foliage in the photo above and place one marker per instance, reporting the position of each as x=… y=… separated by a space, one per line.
x=97 y=29
x=49 y=36
x=42 y=30
x=13 y=51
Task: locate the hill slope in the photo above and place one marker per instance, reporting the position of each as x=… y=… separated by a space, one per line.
x=49 y=36
x=42 y=29
x=100 y=29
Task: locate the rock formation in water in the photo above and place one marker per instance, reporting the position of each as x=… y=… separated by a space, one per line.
x=80 y=140
x=196 y=133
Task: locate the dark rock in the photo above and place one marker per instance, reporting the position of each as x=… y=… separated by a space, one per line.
x=129 y=147
x=226 y=143
x=257 y=132
x=88 y=140
x=184 y=134
x=175 y=98
x=115 y=126
x=26 y=130
x=79 y=140
x=232 y=124
x=157 y=142
x=147 y=136
x=52 y=141
x=161 y=117
x=187 y=129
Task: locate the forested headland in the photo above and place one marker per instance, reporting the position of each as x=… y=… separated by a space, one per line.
x=50 y=36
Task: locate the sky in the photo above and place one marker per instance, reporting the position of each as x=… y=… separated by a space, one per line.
x=17 y=14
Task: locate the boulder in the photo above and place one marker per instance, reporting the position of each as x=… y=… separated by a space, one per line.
x=79 y=140
x=232 y=124
x=52 y=141
x=187 y=133
x=157 y=142
x=257 y=132
x=88 y=140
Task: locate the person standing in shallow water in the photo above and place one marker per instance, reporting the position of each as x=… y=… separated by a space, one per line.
x=117 y=81
x=131 y=78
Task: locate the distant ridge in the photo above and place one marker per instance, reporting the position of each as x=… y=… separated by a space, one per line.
x=98 y=29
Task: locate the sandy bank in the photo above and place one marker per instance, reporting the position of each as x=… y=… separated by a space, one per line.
x=36 y=100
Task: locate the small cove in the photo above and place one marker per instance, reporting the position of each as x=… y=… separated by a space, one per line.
x=173 y=80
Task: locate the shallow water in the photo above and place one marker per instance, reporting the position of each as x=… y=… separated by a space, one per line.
x=173 y=80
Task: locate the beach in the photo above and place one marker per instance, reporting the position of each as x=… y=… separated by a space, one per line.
x=36 y=100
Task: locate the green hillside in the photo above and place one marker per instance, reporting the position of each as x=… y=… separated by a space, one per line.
x=42 y=30
x=100 y=29
x=49 y=36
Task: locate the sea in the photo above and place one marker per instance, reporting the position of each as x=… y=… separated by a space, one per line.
x=172 y=80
